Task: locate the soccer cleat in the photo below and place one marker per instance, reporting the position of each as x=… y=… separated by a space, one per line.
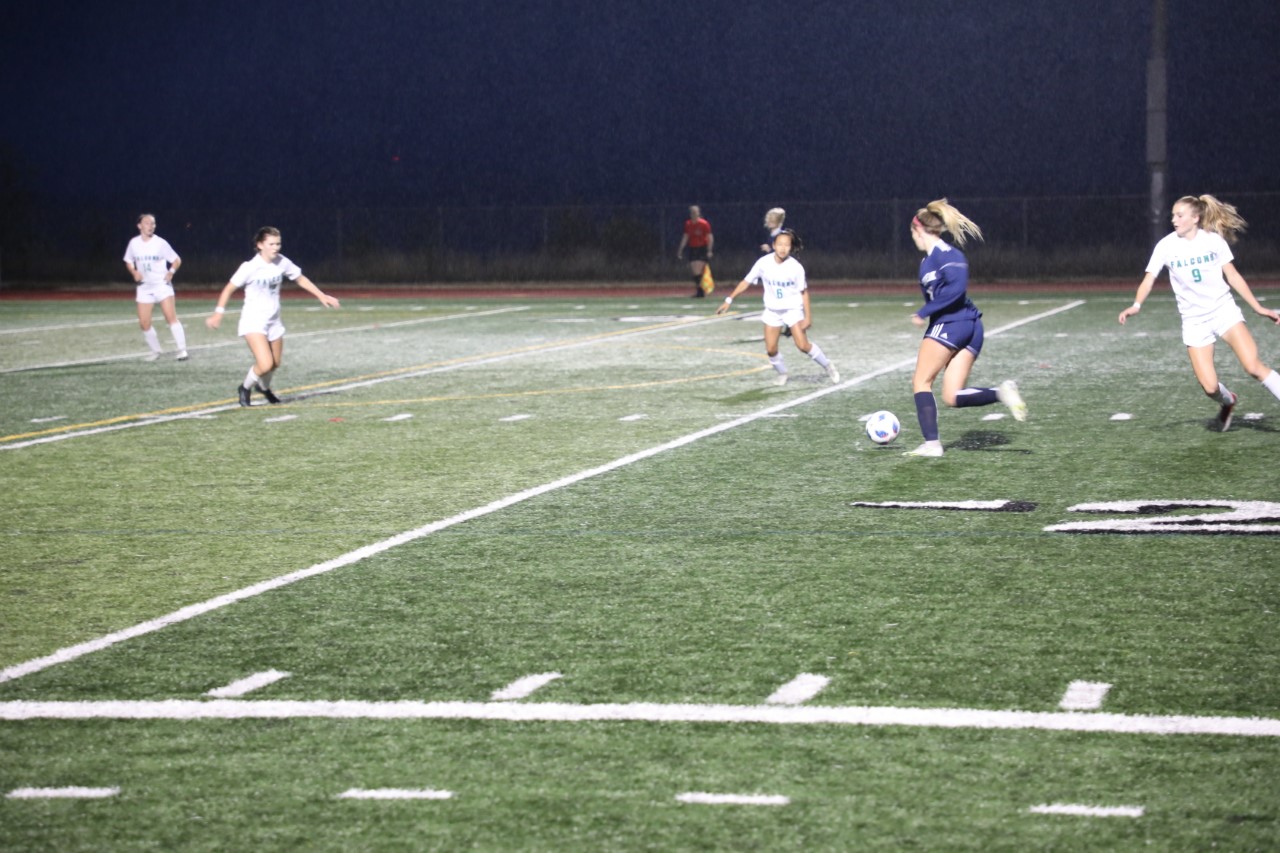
x=151 y=356
x=781 y=380
x=1008 y=394
x=182 y=356
x=266 y=392
x=833 y=373
x=926 y=449
x=786 y=331
x=1224 y=413
x=244 y=395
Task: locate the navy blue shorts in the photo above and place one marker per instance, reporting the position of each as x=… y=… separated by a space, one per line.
x=958 y=335
x=697 y=253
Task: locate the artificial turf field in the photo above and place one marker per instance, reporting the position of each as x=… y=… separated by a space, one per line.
x=528 y=573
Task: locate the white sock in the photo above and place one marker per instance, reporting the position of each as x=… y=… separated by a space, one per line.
x=249 y=379
x=264 y=381
x=1272 y=383
x=152 y=339
x=816 y=353
x=776 y=361
x=179 y=336
x=1222 y=395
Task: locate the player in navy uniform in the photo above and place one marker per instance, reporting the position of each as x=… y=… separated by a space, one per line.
x=773 y=220
x=953 y=325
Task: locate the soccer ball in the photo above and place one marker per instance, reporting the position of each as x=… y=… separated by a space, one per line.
x=883 y=427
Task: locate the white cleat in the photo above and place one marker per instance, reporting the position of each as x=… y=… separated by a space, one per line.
x=182 y=356
x=926 y=449
x=1008 y=394
x=781 y=380
x=832 y=373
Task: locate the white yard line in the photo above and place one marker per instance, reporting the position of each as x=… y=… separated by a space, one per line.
x=522 y=688
x=647 y=712
x=242 y=686
x=237 y=342
x=1084 y=696
x=799 y=690
x=70 y=653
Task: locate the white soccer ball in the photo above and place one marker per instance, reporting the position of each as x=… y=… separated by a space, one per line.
x=883 y=427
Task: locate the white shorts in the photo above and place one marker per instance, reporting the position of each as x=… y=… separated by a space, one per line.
x=1204 y=330
x=778 y=319
x=269 y=326
x=150 y=294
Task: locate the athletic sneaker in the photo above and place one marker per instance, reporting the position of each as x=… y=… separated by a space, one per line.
x=244 y=395
x=926 y=449
x=182 y=356
x=1224 y=413
x=1008 y=394
x=151 y=356
x=833 y=373
x=781 y=380
x=266 y=392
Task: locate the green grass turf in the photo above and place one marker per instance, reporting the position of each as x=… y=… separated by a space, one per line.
x=709 y=573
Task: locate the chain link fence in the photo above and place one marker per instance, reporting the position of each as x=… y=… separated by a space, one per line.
x=1050 y=237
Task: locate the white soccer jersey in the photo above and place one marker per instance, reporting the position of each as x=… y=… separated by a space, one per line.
x=784 y=283
x=150 y=257
x=261 y=281
x=1195 y=271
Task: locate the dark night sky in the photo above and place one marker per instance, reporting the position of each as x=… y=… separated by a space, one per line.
x=423 y=103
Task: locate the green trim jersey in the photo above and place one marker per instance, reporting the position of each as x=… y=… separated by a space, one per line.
x=1195 y=271
x=783 y=283
x=151 y=258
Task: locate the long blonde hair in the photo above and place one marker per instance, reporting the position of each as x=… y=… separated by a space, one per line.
x=1216 y=216
x=939 y=216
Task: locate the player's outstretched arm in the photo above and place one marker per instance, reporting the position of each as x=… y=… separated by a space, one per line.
x=1144 y=290
x=728 y=300
x=325 y=299
x=214 y=320
x=1240 y=286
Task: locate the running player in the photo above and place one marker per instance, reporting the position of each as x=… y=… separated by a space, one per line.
x=953 y=336
x=1200 y=269
x=260 y=324
x=152 y=262
x=701 y=242
x=786 y=303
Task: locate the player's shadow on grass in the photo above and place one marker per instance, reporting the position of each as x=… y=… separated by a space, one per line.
x=993 y=442
x=1240 y=423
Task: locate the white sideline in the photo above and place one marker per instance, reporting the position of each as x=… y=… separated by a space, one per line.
x=1087 y=811
x=703 y=798
x=70 y=653
x=394 y=794
x=646 y=712
x=61 y=793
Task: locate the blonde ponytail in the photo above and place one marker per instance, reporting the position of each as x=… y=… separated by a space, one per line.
x=940 y=216
x=1221 y=218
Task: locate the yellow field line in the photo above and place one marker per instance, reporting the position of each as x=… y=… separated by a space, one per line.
x=177 y=410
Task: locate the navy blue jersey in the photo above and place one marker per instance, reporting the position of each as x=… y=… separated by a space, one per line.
x=944 y=281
